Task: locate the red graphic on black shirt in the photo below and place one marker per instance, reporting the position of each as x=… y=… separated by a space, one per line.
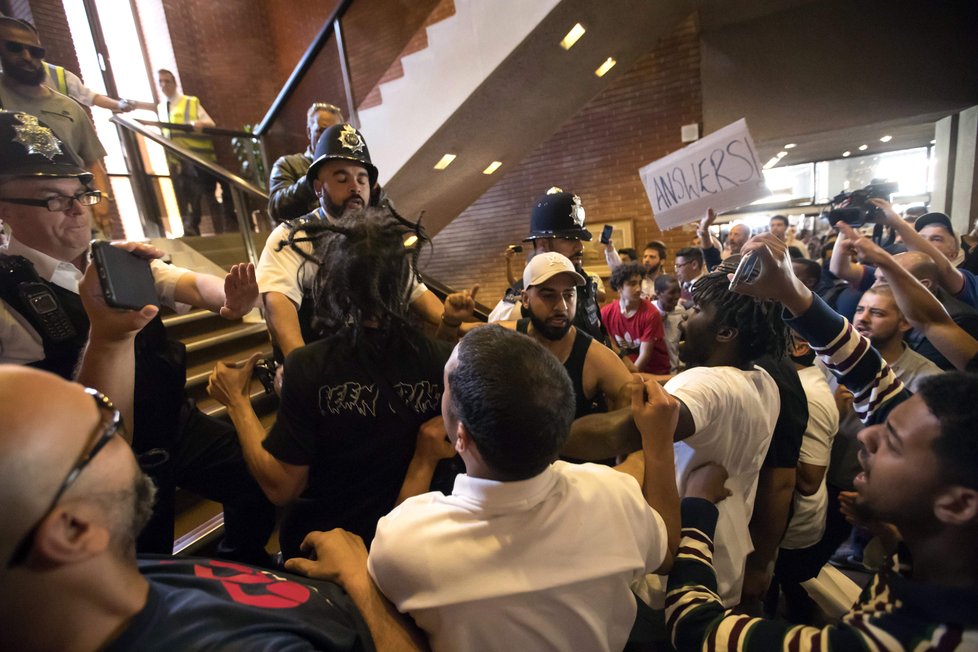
x=255 y=588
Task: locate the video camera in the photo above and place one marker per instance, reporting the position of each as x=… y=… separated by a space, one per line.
x=854 y=208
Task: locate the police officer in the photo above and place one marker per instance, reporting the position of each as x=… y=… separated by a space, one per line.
x=557 y=224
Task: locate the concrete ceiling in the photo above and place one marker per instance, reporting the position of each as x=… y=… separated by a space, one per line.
x=540 y=86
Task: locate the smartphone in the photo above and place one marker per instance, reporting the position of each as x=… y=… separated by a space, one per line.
x=606 y=233
x=127 y=281
x=747 y=270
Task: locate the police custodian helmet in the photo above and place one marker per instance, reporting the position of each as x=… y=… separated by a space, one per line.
x=558 y=214
x=341 y=142
x=28 y=148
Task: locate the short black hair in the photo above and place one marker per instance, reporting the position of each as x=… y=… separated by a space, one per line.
x=658 y=246
x=663 y=281
x=514 y=398
x=628 y=251
x=691 y=253
x=760 y=329
x=169 y=72
x=810 y=267
x=779 y=218
x=624 y=272
x=950 y=397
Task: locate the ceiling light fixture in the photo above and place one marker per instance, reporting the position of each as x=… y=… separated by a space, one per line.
x=445 y=161
x=492 y=167
x=411 y=240
x=782 y=154
x=886 y=139
x=575 y=33
x=791 y=145
x=863 y=148
x=603 y=69
x=933 y=142
x=774 y=160
x=846 y=153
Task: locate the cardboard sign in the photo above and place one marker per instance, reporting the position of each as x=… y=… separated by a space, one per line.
x=719 y=171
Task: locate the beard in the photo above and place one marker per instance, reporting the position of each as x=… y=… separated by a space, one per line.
x=140 y=511
x=337 y=210
x=27 y=76
x=552 y=333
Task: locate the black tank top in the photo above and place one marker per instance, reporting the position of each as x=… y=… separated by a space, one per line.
x=574 y=366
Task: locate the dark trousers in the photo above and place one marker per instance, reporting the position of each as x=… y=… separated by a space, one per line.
x=191 y=186
x=206 y=458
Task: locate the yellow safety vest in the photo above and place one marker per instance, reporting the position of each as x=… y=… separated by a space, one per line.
x=57 y=75
x=185 y=112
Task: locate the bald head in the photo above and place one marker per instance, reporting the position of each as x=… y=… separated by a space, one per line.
x=920 y=265
x=739 y=234
x=46 y=425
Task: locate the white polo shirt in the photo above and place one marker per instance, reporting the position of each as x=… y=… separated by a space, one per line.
x=539 y=564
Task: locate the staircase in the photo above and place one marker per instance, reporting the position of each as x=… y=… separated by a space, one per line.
x=209 y=338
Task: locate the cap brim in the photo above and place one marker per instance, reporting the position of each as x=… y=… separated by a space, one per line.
x=933 y=218
x=577 y=234
x=52 y=170
x=579 y=280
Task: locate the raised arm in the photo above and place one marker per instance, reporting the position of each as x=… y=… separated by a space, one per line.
x=841 y=263
x=655 y=414
x=921 y=308
x=232 y=297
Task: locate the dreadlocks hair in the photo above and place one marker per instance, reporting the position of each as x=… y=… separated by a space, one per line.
x=365 y=262
x=760 y=329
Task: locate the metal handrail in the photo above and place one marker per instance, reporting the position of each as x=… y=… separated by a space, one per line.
x=301 y=68
x=213 y=131
x=185 y=153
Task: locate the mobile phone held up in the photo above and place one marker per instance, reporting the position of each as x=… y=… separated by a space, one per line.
x=606 y=233
x=747 y=270
x=127 y=281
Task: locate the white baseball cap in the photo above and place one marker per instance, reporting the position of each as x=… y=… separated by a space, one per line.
x=546 y=265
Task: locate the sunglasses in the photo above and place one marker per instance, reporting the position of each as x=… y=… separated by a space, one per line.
x=107 y=428
x=14 y=47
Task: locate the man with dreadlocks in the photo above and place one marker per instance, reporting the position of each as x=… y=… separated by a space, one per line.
x=353 y=402
x=342 y=178
x=728 y=409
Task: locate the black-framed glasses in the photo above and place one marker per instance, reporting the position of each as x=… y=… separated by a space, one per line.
x=14 y=47
x=107 y=429
x=683 y=264
x=59 y=203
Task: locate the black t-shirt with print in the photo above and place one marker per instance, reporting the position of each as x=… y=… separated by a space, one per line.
x=206 y=604
x=338 y=417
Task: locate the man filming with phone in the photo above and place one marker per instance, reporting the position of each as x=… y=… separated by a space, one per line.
x=45 y=198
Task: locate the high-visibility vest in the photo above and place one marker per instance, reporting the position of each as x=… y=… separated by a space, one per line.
x=57 y=75
x=185 y=112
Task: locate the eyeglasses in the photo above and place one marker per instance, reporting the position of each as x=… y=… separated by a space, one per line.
x=683 y=264
x=106 y=430
x=14 y=47
x=59 y=203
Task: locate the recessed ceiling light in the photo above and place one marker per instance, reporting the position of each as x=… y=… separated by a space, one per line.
x=576 y=32
x=445 y=161
x=782 y=154
x=791 y=145
x=492 y=167
x=846 y=153
x=608 y=64
x=933 y=142
x=774 y=160
x=863 y=148
x=411 y=240
x=886 y=139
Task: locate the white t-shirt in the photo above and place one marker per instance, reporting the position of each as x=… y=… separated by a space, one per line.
x=20 y=343
x=287 y=272
x=808 y=513
x=539 y=564
x=734 y=412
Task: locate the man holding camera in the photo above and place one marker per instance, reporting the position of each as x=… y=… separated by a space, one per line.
x=45 y=199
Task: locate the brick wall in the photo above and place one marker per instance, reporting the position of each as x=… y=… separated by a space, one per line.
x=595 y=154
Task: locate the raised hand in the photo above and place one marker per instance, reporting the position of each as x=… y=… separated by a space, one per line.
x=240 y=291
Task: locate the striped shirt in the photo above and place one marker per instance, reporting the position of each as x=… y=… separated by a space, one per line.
x=892 y=613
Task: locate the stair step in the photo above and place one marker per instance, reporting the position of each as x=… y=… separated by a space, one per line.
x=199 y=373
x=234 y=331
x=176 y=319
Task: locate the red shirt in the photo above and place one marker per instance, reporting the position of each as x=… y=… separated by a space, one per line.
x=629 y=332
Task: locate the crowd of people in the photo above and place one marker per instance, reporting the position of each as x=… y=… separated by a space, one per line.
x=670 y=469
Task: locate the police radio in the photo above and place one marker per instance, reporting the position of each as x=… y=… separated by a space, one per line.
x=21 y=287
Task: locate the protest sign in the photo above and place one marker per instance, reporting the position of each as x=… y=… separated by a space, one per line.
x=719 y=171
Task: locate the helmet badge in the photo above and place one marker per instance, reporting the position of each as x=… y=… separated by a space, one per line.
x=351 y=140
x=35 y=138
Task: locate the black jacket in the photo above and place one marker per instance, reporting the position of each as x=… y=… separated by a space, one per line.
x=289 y=196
